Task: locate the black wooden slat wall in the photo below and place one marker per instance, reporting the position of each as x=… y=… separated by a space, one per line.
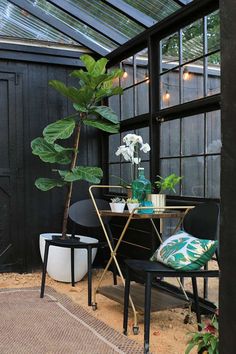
x=37 y=104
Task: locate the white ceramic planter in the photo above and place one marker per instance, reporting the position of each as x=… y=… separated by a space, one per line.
x=132 y=206
x=158 y=200
x=59 y=263
x=117 y=207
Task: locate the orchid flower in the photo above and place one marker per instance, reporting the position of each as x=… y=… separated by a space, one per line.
x=133 y=145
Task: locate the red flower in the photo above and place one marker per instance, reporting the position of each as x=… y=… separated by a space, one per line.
x=209 y=328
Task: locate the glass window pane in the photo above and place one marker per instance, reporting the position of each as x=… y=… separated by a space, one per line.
x=142 y=98
x=169 y=166
x=192 y=41
x=109 y=16
x=213 y=176
x=73 y=23
x=144 y=132
x=128 y=76
x=213 y=134
x=114 y=143
x=193 y=176
x=192 y=82
x=18 y=23
x=114 y=177
x=170 y=138
x=213 y=31
x=141 y=66
x=213 y=74
x=127 y=104
x=114 y=104
x=193 y=135
x=170 y=52
x=126 y=172
x=170 y=89
x=157 y=9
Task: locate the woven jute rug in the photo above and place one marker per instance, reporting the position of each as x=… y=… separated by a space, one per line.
x=54 y=325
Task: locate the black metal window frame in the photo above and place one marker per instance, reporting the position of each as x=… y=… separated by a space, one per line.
x=151 y=39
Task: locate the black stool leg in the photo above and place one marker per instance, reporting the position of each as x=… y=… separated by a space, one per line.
x=126 y=301
x=147 y=311
x=196 y=301
x=72 y=258
x=89 y=253
x=45 y=261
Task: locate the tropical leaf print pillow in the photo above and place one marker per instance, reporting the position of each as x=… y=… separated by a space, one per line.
x=185 y=252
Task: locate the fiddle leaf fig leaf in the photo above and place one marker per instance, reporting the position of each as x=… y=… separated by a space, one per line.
x=70 y=92
x=107 y=92
x=88 y=61
x=107 y=113
x=80 y=108
x=45 y=184
x=61 y=129
x=100 y=67
x=52 y=153
x=102 y=125
x=89 y=174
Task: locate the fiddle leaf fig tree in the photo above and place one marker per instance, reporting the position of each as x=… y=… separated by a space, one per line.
x=94 y=84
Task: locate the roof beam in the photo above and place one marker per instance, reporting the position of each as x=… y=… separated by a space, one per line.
x=89 y=20
x=58 y=25
x=136 y=15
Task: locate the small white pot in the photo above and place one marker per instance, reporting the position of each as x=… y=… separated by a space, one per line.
x=158 y=201
x=132 y=206
x=117 y=207
x=59 y=258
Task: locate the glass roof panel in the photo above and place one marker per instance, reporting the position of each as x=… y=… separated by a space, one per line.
x=74 y=24
x=109 y=16
x=157 y=9
x=17 y=23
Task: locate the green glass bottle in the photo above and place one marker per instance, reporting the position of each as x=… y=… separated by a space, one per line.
x=141 y=186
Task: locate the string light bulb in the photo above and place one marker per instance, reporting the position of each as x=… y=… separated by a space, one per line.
x=125 y=74
x=186 y=74
x=166 y=95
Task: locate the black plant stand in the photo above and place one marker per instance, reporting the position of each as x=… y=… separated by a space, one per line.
x=72 y=243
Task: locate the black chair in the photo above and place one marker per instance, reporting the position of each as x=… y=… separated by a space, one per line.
x=200 y=222
x=80 y=213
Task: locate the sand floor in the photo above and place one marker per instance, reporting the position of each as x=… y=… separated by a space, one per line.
x=168 y=331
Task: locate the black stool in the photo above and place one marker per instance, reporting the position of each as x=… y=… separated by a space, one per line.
x=71 y=243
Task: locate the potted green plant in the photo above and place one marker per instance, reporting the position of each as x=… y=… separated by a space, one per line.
x=206 y=340
x=163 y=184
x=132 y=203
x=94 y=85
x=117 y=205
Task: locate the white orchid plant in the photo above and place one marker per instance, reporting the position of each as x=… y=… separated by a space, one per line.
x=130 y=150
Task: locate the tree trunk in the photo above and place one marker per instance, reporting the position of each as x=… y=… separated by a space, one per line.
x=70 y=186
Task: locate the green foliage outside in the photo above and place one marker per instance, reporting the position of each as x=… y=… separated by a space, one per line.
x=192 y=38
x=94 y=84
x=167 y=183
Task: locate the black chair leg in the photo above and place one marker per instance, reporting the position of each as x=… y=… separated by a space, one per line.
x=147 y=311
x=72 y=258
x=205 y=286
x=89 y=252
x=126 y=302
x=196 y=301
x=45 y=261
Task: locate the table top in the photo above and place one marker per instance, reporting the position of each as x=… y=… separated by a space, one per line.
x=156 y=215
